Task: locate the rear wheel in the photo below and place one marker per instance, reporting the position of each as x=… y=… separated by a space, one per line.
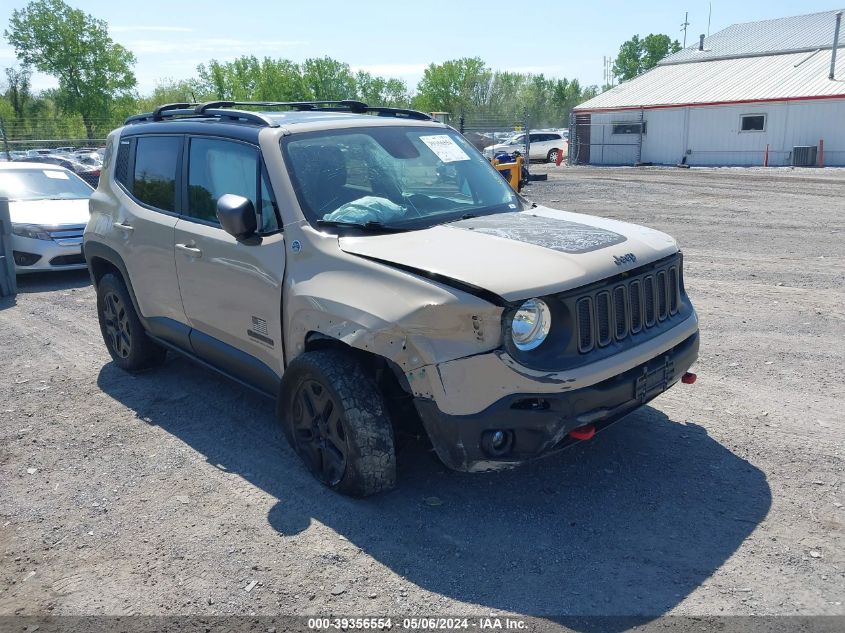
x=125 y=338
x=552 y=157
x=335 y=419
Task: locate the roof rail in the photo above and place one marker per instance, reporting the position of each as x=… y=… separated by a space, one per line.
x=169 y=106
x=188 y=110
x=348 y=104
x=221 y=110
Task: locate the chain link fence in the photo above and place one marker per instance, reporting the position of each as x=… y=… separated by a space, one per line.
x=34 y=141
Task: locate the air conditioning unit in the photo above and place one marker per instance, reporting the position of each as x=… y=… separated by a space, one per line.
x=804 y=155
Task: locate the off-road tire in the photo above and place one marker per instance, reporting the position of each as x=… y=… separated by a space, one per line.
x=370 y=461
x=137 y=351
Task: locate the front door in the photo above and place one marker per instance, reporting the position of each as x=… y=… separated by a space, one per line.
x=231 y=291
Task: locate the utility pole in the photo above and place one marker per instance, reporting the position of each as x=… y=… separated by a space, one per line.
x=684 y=26
x=709 y=15
x=5 y=140
x=607 y=70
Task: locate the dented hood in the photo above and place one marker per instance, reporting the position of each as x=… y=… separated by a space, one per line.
x=520 y=254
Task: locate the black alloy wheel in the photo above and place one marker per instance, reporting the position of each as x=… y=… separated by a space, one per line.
x=318 y=432
x=116 y=322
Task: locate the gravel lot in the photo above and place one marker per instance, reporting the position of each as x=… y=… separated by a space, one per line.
x=174 y=492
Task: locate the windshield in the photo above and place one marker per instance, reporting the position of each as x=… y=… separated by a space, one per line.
x=401 y=177
x=42 y=184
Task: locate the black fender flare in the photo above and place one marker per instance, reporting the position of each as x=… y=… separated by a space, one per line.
x=97 y=250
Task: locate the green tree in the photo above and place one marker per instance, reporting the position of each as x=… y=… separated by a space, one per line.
x=457 y=85
x=76 y=49
x=248 y=79
x=18 y=93
x=639 y=55
x=328 y=79
x=374 y=90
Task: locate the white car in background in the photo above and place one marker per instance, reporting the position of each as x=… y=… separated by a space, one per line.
x=542 y=146
x=48 y=206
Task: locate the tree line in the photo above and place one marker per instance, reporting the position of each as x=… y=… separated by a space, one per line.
x=97 y=87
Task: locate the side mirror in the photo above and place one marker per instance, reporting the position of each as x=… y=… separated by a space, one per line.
x=237 y=216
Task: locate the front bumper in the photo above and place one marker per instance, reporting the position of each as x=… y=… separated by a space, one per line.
x=46 y=255
x=540 y=422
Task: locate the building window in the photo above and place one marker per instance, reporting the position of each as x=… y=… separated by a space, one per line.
x=629 y=127
x=752 y=123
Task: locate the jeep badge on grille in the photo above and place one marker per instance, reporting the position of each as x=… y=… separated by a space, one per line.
x=627 y=258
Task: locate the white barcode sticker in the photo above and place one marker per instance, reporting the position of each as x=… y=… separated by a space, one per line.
x=445 y=148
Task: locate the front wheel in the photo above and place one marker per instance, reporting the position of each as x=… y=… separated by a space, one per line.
x=335 y=419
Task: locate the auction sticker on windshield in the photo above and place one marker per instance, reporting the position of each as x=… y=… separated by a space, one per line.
x=445 y=148
x=56 y=175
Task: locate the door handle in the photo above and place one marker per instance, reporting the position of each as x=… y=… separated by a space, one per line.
x=126 y=228
x=193 y=251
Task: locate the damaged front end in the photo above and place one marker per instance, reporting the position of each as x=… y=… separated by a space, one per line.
x=525 y=425
x=611 y=347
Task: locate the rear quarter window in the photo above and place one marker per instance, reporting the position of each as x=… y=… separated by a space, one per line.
x=121 y=164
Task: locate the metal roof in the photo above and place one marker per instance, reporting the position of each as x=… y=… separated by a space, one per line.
x=766 y=37
x=748 y=73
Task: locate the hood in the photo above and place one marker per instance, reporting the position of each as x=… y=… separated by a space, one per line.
x=49 y=212
x=521 y=254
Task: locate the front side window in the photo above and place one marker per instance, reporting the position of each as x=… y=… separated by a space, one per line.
x=217 y=167
x=269 y=211
x=156 y=159
x=394 y=176
x=753 y=123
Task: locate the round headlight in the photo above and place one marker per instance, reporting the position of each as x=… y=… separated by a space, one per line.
x=531 y=324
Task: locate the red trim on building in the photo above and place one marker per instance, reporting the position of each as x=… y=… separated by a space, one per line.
x=707 y=103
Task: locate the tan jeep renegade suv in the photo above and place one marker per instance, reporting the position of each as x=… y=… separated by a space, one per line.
x=369 y=269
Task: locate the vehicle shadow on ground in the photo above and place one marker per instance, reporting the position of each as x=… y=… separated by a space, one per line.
x=52 y=281
x=627 y=524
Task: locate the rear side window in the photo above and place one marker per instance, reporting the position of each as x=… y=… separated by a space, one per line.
x=154 y=181
x=218 y=167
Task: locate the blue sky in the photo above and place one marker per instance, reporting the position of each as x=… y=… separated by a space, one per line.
x=560 y=38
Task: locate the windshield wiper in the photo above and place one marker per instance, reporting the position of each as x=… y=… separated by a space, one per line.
x=369 y=225
x=465 y=216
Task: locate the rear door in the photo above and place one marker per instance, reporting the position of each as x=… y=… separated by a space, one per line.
x=147 y=173
x=231 y=291
x=541 y=143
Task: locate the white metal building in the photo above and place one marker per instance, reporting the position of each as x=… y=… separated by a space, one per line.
x=725 y=100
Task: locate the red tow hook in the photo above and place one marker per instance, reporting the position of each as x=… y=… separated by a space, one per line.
x=688 y=378
x=585 y=432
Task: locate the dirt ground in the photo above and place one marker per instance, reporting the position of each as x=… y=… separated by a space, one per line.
x=174 y=492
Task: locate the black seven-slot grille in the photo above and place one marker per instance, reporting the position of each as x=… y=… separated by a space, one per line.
x=627 y=307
